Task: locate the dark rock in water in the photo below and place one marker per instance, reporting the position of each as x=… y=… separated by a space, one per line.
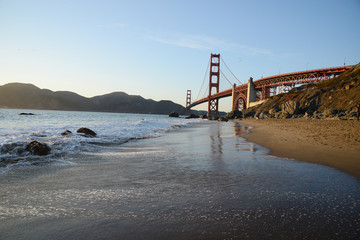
x=87 y=132
x=192 y=116
x=38 y=135
x=66 y=132
x=203 y=116
x=37 y=148
x=236 y=114
x=174 y=114
x=213 y=118
x=222 y=119
x=26 y=114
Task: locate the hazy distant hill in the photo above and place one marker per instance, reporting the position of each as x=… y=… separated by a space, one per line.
x=28 y=96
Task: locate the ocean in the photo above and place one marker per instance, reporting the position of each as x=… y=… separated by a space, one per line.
x=155 y=177
x=16 y=131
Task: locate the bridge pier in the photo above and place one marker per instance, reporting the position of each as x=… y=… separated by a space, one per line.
x=251 y=94
x=234 y=101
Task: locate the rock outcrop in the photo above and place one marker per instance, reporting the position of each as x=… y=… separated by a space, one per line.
x=66 y=132
x=37 y=148
x=335 y=98
x=174 y=114
x=236 y=114
x=26 y=114
x=192 y=116
x=222 y=119
x=290 y=107
x=86 y=132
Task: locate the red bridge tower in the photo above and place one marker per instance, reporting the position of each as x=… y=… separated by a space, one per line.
x=214 y=79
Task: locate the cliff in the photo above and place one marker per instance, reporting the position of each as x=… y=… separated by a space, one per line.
x=334 y=98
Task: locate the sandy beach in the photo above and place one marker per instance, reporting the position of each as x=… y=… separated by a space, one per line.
x=329 y=142
x=199 y=182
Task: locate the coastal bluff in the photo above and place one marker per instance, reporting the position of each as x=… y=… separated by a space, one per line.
x=335 y=98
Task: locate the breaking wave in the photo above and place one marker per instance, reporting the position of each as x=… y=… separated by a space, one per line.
x=17 y=131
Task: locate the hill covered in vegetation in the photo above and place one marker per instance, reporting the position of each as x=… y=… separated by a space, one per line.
x=28 y=96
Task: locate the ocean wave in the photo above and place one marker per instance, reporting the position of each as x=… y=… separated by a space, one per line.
x=13 y=141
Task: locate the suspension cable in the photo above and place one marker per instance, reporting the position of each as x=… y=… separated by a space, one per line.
x=205 y=94
x=230 y=70
x=206 y=73
x=226 y=78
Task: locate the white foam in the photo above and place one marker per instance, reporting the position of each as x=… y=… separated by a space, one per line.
x=111 y=128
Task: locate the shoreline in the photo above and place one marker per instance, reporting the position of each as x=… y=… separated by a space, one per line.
x=328 y=142
x=200 y=182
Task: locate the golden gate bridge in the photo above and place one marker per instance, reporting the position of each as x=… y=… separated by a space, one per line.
x=254 y=92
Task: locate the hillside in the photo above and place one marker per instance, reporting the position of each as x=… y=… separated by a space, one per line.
x=334 y=98
x=28 y=96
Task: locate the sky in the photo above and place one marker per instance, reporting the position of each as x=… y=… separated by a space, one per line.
x=160 y=49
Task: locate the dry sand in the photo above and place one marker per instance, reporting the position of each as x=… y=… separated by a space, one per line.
x=329 y=142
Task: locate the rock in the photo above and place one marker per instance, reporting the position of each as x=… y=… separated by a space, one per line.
x=203 y=117
x=26 y=114
x=290 y=107
x=348 y=87
x=87 y=132
x=192 y=116
x=222 y=119
x=37 y=135
x=66 y=132
x=272 y=112
x=236 y=114
x=174 y=114
x=213 y=118
x=329 y=113
x=281 y=115
x=249 y=113
x=37 y=148
x=309 y=113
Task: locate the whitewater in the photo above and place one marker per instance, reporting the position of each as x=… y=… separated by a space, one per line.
x=17 y=130
x=155 y=177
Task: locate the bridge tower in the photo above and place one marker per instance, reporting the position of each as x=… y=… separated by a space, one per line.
x=251 y=94
x=188 y=102
x=214 y=79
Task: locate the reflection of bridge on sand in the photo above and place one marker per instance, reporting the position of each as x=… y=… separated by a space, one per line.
x=216 y=137
x=240 y=129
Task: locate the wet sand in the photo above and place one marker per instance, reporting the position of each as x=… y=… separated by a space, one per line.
x=329 y=142
x=202 y=182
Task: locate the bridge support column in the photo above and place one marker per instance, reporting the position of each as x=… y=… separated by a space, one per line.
x=234 y=101
x=251 y=94
x=214 y=78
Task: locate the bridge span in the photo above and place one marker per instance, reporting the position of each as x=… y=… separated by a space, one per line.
x=245 y=94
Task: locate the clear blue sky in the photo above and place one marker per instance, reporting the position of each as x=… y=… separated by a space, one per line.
x=159 y=49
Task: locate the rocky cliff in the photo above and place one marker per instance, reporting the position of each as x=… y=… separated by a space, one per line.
x=334 y=98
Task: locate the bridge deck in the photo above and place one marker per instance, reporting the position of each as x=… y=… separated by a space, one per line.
x=281 y=79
